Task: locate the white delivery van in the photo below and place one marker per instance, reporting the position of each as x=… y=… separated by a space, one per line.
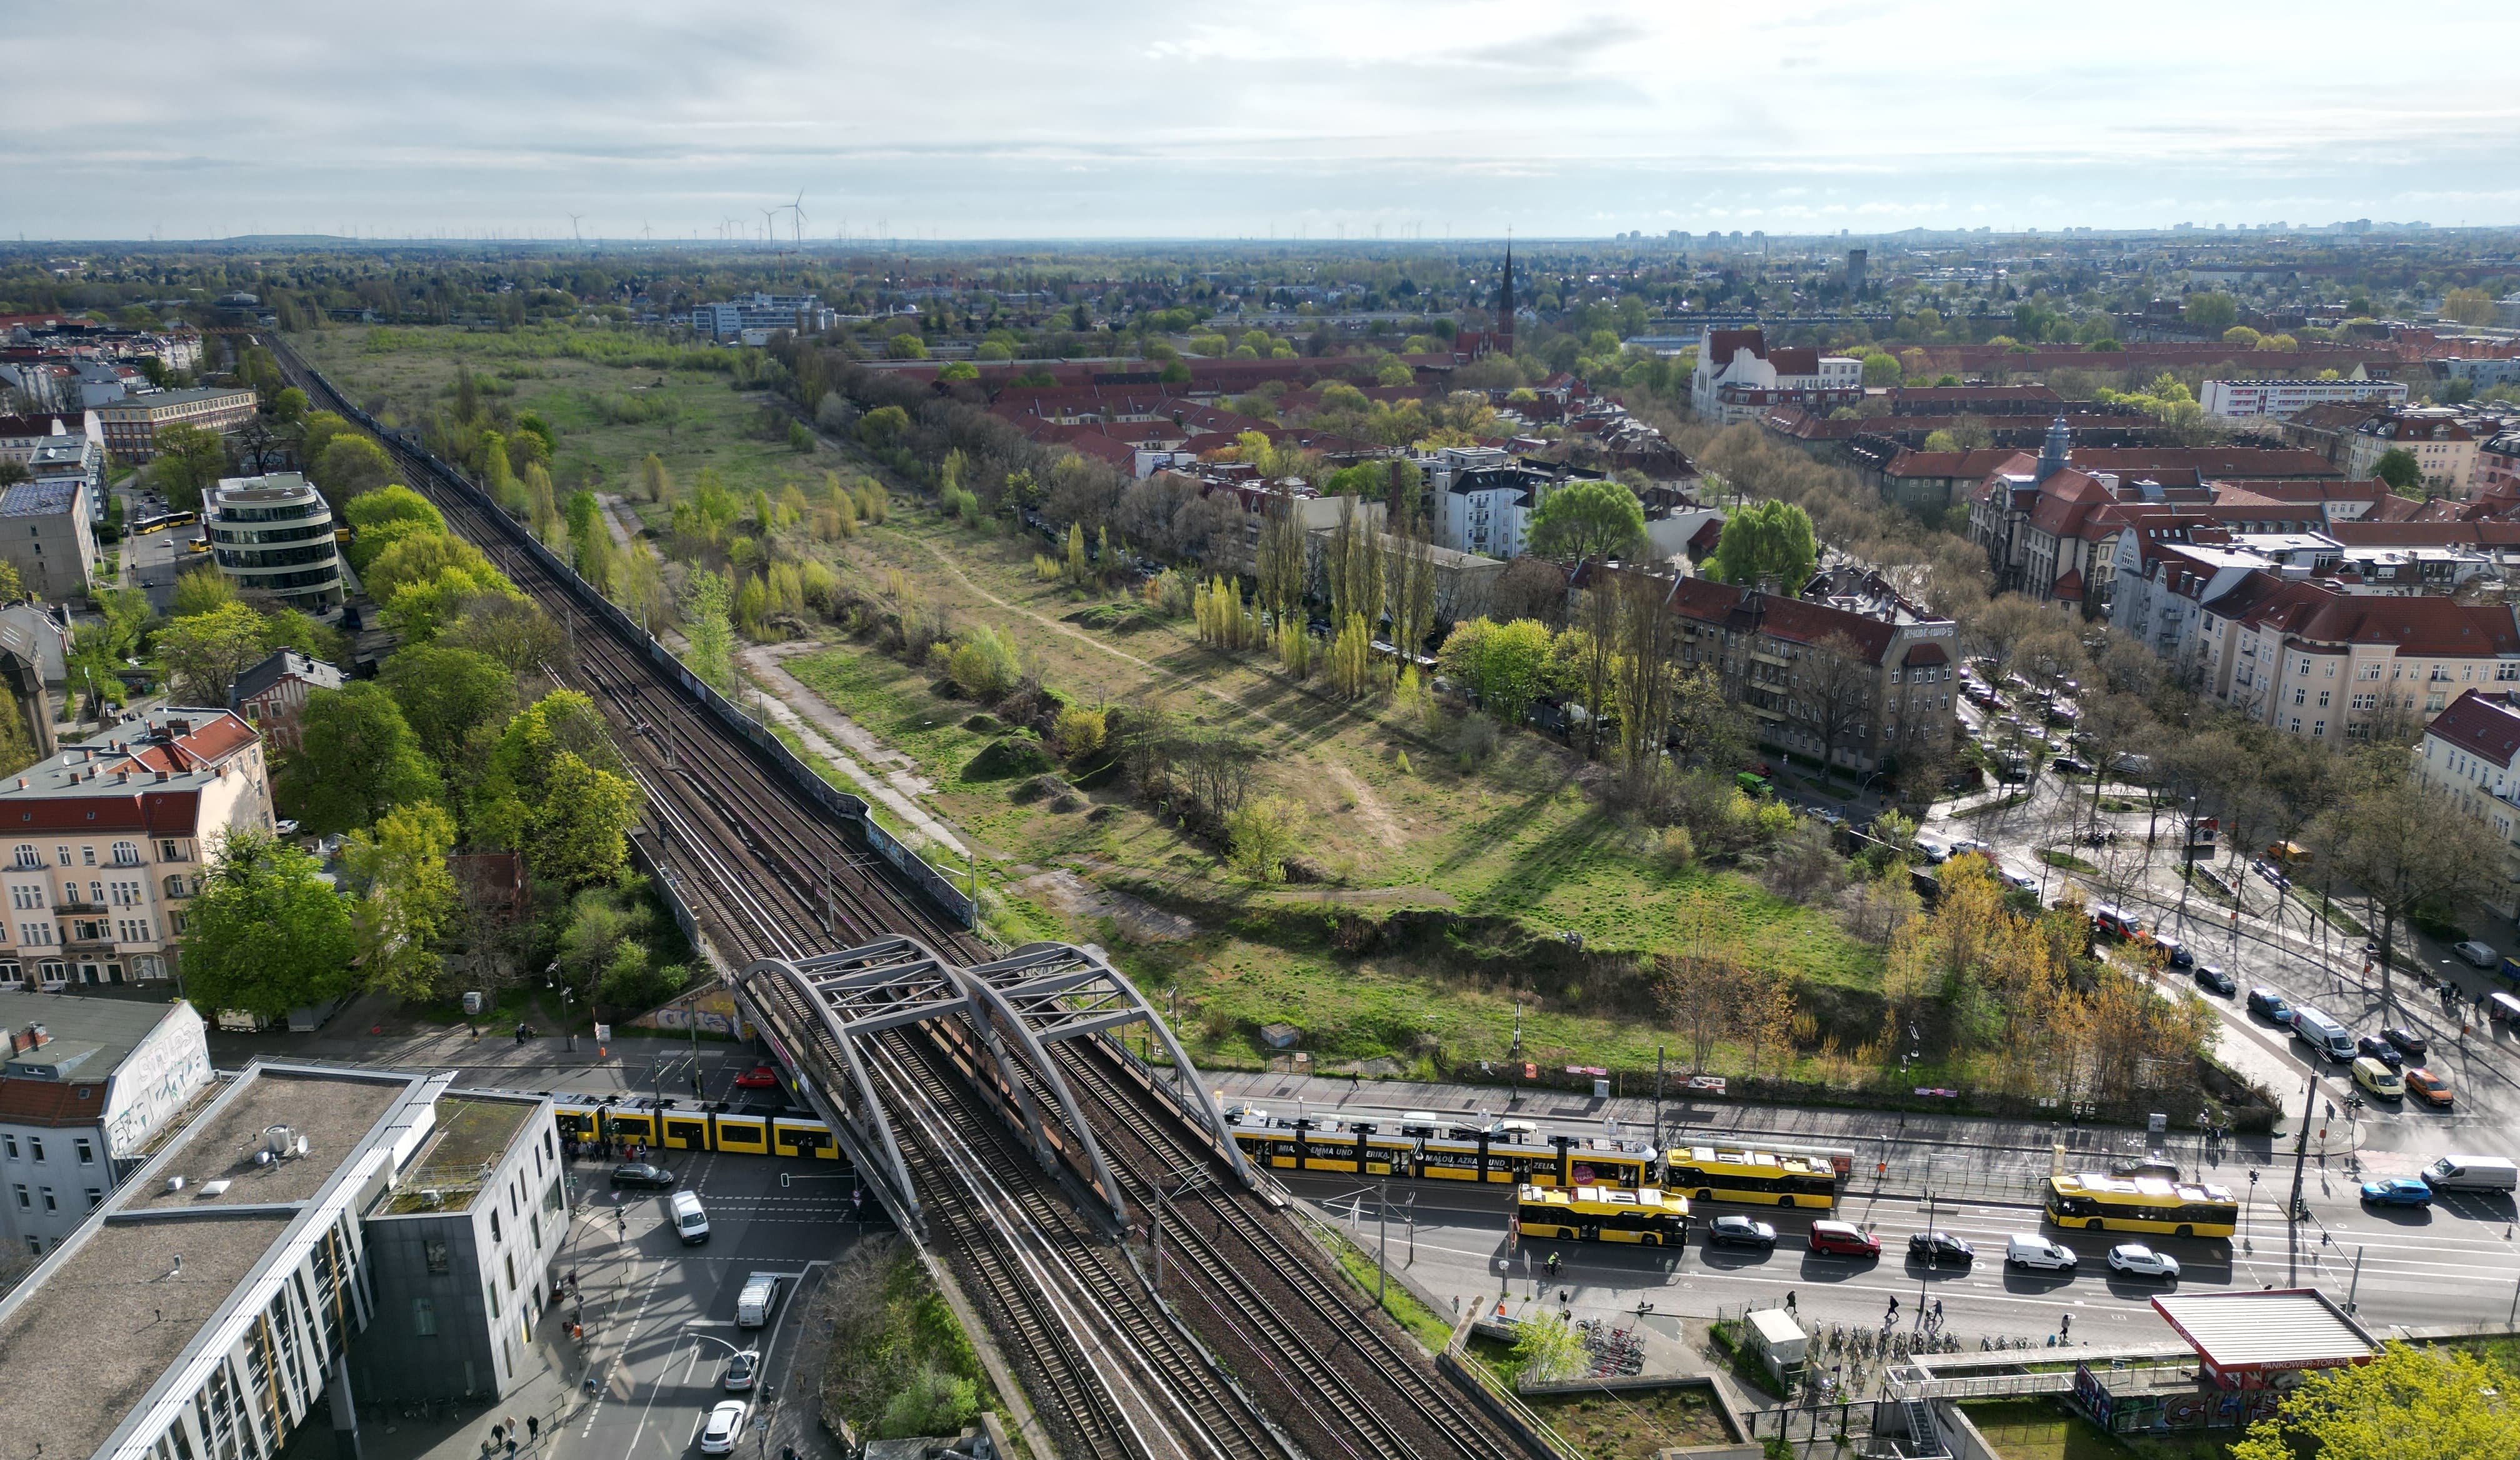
x=691 y=1222
x=2472 y=1173
x=2321 y=1034
x=753 y=1304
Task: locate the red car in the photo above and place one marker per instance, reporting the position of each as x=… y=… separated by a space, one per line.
x=758 y=1078
x=1845 y=1239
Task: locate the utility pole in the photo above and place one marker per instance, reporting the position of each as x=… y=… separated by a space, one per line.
x=1657 y=1130
x=1160 y=1236
x=2357 y=1285
x=1929 y=1265
x=1382 y=1240
x=2300 y=1160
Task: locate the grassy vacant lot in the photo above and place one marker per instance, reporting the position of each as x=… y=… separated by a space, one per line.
x=607 y=417
x=1488 y=868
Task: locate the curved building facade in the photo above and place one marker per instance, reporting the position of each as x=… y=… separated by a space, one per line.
x=274 y=534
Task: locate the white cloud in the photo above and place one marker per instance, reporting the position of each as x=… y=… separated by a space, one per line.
x=1003 y=119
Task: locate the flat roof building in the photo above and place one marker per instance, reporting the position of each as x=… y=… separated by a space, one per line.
x=88 y=1084
x=132 y=423
x=239 y=1268
x=46 y=534
x=2244 y=1340
x=274 y=534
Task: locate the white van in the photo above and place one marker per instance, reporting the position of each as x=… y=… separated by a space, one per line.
x=752 y=1305
x=691 y=1222
x=2321 y=1034
x=2472 y=1173
x=2038 y=1252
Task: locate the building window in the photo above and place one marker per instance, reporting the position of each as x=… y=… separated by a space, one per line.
x=49 y=1204
x=28 y=856
x=494 y=1224
x=127 y=853
x=36 y=1146
x=11 y=1144
x=423 y=1317
x=95 y=1197
x=433 y=1251
x=25 y=1202
x=2318 y=731
x=86 y=1152
x=87 y=854
x=174 y=886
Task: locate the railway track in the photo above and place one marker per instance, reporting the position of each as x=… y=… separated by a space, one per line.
x=774 y=874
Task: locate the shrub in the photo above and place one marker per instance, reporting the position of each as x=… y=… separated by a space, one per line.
x=1079 y=731
x=1004 y=760
x=985 y=664
x=1261 y=836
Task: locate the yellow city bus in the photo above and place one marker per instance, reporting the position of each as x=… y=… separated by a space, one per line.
x=2142 y=1204
x=1648 y=1215
x=1766 y=1178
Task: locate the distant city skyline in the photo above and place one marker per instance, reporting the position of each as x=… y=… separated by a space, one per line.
x=1126 y=121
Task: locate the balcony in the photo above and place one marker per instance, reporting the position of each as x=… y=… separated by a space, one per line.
x=70 y=909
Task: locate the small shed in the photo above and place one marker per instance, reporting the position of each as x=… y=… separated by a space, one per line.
x=2267 y=1339
x=1279 y=1036
x=1778 y=1339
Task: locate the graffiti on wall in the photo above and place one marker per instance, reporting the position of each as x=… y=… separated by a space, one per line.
x=712 y=1010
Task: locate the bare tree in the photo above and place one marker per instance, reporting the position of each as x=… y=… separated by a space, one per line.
x=1696 y=995
x=2406 y=846
x=1830 y=695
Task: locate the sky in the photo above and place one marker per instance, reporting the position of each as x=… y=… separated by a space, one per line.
x=1092 y=119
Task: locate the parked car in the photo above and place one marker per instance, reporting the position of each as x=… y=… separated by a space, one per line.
x=2067 y=766
x=742 y=1370
x=2136 y=1260
x=724 y=1428
x=1740 y=1231
x=2398 y=1190
x=2428 y=1087
x=1936 y=1249
x=1933 y=852
x=2271 y=1004
x=2378 y=1078
x=640 y=1174
x=2409 y=1043
x=2270 y=872
x=1966 y=845
x=1844 y=1239
x=2213 y=976
x=2476 y=955
x=2175 y=953
x=2022 y=880
x=758 y=1078
x=2377 y=1048
x=2039 y=1252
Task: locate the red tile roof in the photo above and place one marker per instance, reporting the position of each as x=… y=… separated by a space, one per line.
x=1746 y=610
x=45 y=1102
x=2486 y=726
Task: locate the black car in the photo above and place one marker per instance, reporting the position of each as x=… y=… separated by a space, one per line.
x=2407 y=1042
x=1739 y=1231
x=2212 y=976
x=2067 y=766
x=640 y=1174
x=2381 y=1050
x=1934 y=1249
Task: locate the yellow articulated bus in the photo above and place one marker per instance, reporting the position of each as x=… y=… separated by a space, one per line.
x=2142 y=1204
x=1767 y=1178
x=1649 y=1215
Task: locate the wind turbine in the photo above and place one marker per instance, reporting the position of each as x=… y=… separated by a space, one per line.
x=574 y=219
x=798 y=208
x=768 y=216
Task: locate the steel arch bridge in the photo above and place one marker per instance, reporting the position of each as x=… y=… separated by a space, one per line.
x=821 y=1010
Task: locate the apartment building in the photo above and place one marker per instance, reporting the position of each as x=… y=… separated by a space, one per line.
x=2441 y=444
x=47 y=534
x=2236 y=398
x=274 y=534
x=2314 y=661
x=2468 y=754
x=1741 y=377
x=272 y=695
x=313 y=1234
x=102 y=845
x=131 y=423
x=1859 y=686
x=88 y=1083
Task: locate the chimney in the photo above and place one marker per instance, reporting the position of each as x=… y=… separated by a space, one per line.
x=161 y=775
x=37 y=1035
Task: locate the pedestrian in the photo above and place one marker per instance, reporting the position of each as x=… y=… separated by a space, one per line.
x=2064 y=1324
x=1938 y=1310
x=1894 y=1304
x=533 y=1428
x=512 y=1447
x=487 y=1450
x=497 y=1433
x=1790 y=1299
x=511 y=1425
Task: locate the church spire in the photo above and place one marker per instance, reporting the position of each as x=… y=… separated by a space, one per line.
x=1504 y=305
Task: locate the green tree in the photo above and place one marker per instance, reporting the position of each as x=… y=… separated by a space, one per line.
x=190 y=461
x=351 y=465
x=1504 y=664
x=385 y=516
x=267 y=933
x=883 y=425
x=582 y=833
x=288 y=407
x=1770 y=542
x=405 y=894
x=317 y=432
x=424 y=557
x=294 y=629
x=449 y=695
x=709 y=629
x=1881 y=368
x=1588 y=520
x=198 y=591
x=357 y=756
x=2399 y=467
x=203 y=653
x=2457 y=1403
x=906 y=346
x=2210 y=311
x=1261 y=836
